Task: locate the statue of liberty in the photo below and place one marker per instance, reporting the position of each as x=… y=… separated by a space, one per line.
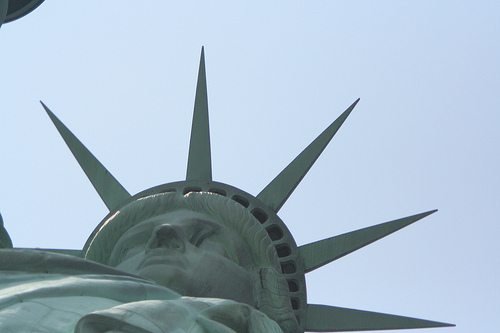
x=190 y=256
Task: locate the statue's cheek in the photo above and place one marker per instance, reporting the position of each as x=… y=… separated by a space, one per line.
x=132 y=263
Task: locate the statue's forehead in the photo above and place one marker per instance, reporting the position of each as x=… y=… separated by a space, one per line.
x=183 y=218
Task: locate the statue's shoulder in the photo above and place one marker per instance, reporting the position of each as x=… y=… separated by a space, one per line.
x=45 y=262
x=50 y=292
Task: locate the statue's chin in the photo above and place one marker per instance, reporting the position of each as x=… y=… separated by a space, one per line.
x=239 y=287
x=170 y=276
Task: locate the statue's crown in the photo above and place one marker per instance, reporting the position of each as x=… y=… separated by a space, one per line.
x=294 y=261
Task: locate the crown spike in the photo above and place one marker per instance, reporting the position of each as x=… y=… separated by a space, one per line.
x=277 y=192
x=5 y=241
x=327 y=250
x=199 y=160
x=108 y=188
x=323 y=318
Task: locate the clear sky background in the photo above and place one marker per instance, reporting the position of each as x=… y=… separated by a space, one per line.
x=122 y=75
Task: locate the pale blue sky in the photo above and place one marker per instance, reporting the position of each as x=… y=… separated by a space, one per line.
x=122 y=76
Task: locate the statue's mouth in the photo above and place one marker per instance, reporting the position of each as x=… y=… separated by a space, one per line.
x=164 y=257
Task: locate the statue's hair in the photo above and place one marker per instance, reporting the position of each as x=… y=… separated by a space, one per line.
x=271 y=289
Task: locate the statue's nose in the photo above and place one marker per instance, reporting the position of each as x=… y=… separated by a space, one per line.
x=166 y=236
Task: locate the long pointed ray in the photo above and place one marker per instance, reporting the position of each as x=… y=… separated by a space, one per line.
x=277 y=192
x=322 y=318
x=5 y=241
x=327 y=250
x=199 y=160
x=108 y=188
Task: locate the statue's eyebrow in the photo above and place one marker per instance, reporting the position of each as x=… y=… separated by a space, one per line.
x=132 y=237
x=142 y=228
x=202 y=222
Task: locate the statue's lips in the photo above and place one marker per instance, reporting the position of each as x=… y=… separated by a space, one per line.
x=164 y=257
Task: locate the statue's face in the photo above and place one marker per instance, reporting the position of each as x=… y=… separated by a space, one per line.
x=189 y=253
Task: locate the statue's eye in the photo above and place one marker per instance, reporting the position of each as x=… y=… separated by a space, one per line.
x=199 y=241
x=124 y=251
x=200 y=236
x=128 y=251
